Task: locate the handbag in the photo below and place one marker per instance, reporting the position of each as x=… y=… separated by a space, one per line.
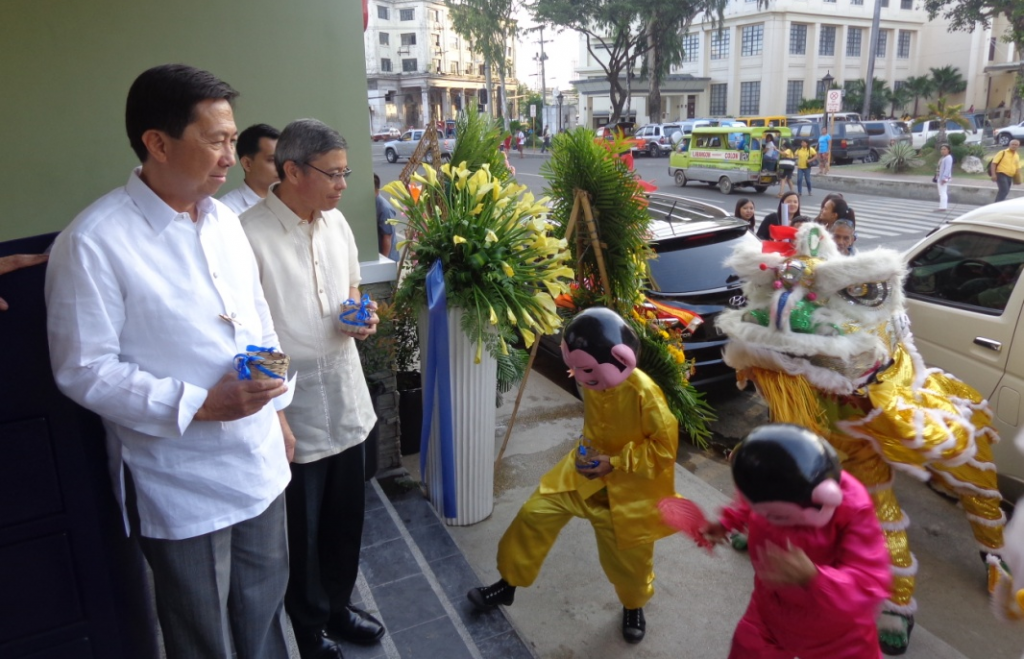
x=935 y=179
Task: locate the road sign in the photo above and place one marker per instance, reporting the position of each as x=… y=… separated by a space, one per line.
x=834 y=100
x=533 y=111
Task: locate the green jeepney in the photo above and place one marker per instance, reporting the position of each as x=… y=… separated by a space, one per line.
x=728 y=156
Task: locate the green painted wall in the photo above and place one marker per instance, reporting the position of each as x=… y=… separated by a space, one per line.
x=66 y=66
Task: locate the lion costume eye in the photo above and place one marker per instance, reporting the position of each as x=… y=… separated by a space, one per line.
x=869 y=295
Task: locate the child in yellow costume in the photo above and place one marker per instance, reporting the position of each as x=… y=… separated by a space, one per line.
x=825 y=340
x=615 y=481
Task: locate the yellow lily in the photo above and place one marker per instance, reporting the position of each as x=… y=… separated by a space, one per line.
x=528 y=336
x=507 y=269
x=490 y=237
x=494 y=316
x=458 y=239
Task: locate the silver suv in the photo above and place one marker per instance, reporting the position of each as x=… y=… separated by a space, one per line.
x=656 y=139
x=883 y=134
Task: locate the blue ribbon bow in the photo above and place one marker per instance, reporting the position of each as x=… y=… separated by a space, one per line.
x=362 y=314
x=438 y=379
x=244 y=361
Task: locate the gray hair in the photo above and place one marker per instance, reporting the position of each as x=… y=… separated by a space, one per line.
x=305 y=139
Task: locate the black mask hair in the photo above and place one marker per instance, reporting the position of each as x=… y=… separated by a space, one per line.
x=783 y=462
x=596 y=331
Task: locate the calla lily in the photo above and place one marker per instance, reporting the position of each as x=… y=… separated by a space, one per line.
x=458 y=240
x=528 y=336
x=494 y=316
x=507 y=269
x=490 y=237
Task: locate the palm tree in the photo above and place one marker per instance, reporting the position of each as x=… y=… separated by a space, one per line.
x=919 y=87
x=942 y=113
x=853 y=99
x=948 y=81
x=899 y=98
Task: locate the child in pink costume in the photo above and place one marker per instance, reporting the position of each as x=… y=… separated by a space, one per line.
x=821 y=566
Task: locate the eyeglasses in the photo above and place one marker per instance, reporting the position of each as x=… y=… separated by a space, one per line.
x=336 y=177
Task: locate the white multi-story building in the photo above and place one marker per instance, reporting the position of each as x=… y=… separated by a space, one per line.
x=417 y=68
x=764 y=61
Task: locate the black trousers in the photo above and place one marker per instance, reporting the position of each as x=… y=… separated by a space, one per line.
x=1004 y=182
x=325 y=502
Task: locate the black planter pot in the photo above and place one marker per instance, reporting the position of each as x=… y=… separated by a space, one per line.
x=410 y=411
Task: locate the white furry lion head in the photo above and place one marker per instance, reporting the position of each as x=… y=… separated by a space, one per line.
x=812 y=311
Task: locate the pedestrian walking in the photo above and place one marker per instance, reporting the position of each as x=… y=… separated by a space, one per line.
x=805 y=159
x=787 y=163
x=521 y=143
x=546 y=144
x=1005 y=169
x=943 y=174
x=824 y=152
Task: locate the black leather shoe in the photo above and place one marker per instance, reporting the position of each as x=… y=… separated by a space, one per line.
x=355 y=626
x=316 y=645
x=634 y=625
x=488 y=597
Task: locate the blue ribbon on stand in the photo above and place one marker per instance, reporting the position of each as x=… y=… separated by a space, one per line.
x=438 y=379
x=244 y=361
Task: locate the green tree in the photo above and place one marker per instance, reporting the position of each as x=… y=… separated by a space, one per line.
x=919 y=87
x=948 y=81
x=943 y=112
x=899 y=98
x=614 y=33
x=488 y=25
x=853 y=100
x=965 y=15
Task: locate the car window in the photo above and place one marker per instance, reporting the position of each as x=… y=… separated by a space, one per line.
x=900 y=129
x=967 y=269
x=952 y=125
x=875 y=128
x=695 y=263
x=855 y=130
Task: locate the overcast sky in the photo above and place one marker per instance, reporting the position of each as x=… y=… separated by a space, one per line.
x=562 y=51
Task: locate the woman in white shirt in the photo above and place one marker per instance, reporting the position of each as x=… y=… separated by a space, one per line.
x=943 y=174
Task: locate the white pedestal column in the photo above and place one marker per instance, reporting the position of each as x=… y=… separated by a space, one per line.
x=474 y=387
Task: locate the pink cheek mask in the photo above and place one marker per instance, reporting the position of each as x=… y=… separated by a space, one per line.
x=591 y=375
x=783 y=513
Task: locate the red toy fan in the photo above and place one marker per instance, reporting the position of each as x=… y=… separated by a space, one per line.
x=686 y=517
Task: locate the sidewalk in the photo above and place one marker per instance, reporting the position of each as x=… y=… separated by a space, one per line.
x=961 y=191
x=572 y=611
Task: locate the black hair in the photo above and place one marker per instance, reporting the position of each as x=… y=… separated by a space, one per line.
x=164 y=98
x=376 y=181
x=783 y=462
x=249 y=139
x=740 y=204
x=596 y=331
x=782 y=201
x=840 y=207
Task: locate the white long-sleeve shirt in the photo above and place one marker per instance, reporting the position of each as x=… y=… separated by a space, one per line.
x=240 y=199
x=135 y=292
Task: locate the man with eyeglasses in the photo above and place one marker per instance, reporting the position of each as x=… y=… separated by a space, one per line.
x=308 y=267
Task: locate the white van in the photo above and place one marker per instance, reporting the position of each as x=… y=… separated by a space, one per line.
x=922 y=131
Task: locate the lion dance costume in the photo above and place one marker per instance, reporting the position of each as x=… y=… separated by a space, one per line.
x=826 y=342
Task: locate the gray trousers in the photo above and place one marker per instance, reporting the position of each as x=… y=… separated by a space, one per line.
x=224 y=586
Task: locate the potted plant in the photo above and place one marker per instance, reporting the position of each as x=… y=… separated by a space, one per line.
x=487 y=240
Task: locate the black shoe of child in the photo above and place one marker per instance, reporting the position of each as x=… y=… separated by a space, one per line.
x=634 y=625
x=488 y=597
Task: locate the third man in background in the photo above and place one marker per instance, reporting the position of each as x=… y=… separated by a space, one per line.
x=1005 y=169
x=256 y=145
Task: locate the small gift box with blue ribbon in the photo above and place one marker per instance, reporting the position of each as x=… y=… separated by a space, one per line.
x=261 y=364
x=355 y=314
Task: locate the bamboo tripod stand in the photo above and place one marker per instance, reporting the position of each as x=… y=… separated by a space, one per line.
x=428 y=145
x=580 y=204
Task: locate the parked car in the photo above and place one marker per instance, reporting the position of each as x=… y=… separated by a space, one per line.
x=385 y=134
x=884 y=134
x=922 y=131
x=404 y=146
x=692 y=239
x=1013 y=132
x=849 y=139
x=656 y=139
x=964 y=299
x=984 y=126
x=817 y=118
x=689 y=124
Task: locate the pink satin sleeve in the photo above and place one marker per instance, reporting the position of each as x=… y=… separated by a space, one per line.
x=736 y=515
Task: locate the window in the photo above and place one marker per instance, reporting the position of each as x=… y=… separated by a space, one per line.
x=436 y=38
x=857 y=3
x=906 y=4
x=752 y=40
x=827 y=41
x=794 y=94
x=854 y=35
x=483 y=70
x=453 y=68
x=797 y=39
x=409 y=65
x=406 y=14
x=691 y=47
x=903 y=45
x=718 y=95
x=383 y=13
x=750 y=97
x=882 y=38
x=385 y=65
x=967 y=269
x=437 y=67
x=409 y=39
x=720 y=44
x=434 y=15
x=384 y=39
x=991 y=49
x=898 y=85
x=885 y=3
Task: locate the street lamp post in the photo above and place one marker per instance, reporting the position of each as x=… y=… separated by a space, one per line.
x=560 y=98
x=827 y=81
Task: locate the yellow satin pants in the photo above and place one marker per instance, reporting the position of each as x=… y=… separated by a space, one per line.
x=533 y=532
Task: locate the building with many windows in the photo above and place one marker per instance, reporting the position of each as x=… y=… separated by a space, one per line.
x=417 y=68
x=765 y=61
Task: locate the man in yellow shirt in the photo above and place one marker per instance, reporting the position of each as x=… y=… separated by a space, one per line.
x=1005 y=169
x=804 y=155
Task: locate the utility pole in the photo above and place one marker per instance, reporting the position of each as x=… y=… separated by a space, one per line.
x=543 y=78
x=870 y=82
